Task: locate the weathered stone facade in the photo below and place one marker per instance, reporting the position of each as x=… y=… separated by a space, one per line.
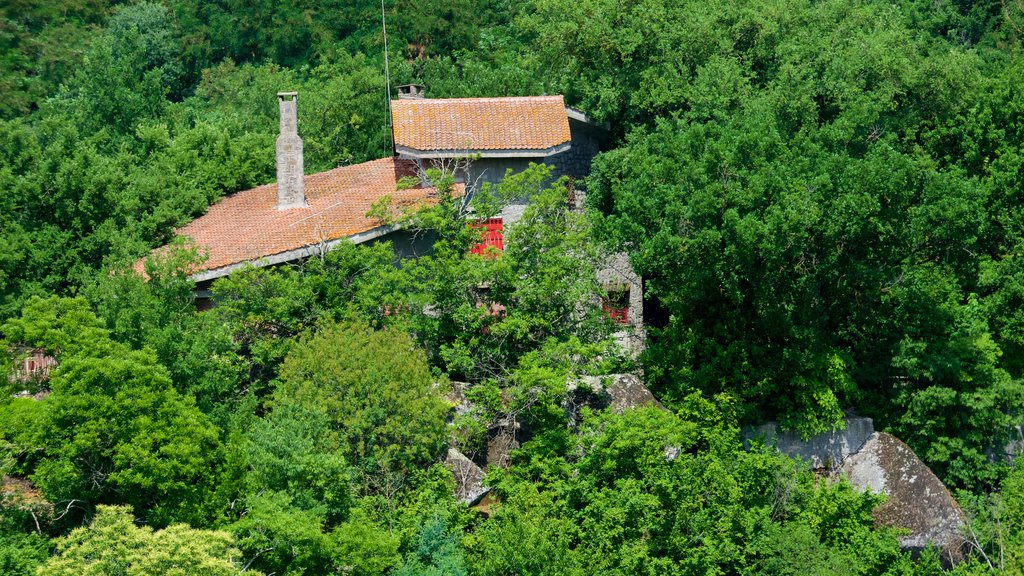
x=617 y=275
x=575 y=162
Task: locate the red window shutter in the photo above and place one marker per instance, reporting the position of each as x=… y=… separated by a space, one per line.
x=493 y=237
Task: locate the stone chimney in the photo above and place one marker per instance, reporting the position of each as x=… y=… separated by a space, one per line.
x=411 y=91
x=291 y=192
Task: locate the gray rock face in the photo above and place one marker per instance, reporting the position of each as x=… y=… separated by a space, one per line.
x=469 y=487
x=627 y=391
x=1014 y=446
x=502 y=439
x=917 y=499
x=457 y=398
x=824 y=451
x=616 y=392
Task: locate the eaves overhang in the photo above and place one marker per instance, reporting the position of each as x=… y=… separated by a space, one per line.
x=407 y=152
x=317 y=249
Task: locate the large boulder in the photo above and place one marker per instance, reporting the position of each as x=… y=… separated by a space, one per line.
x=469 y=478
x=916 y=499
x=825 y=451
x=615 y=392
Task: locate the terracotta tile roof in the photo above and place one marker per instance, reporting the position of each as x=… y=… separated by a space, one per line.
x=247 y=225
x=522 y=123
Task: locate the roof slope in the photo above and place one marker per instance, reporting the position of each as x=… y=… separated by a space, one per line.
x=530 y=123
x=247 y=226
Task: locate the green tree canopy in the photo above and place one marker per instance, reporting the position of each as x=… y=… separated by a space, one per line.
x=113 y=545
x=384 y=413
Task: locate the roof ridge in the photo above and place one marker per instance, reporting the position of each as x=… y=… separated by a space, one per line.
x=479 y=99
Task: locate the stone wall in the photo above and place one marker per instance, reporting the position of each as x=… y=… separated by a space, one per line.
x=408 y=244
x=575 y=162
x=823 y=451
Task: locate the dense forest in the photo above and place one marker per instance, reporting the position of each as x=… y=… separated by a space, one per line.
x=824 y=199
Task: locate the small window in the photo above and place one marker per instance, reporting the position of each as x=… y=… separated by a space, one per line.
x=616 y=305
x=493 y=236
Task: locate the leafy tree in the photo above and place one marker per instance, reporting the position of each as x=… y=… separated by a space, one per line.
x=24 y=516
x=815 y=220
x=480 y=314
x=649 y=492
x=376 y=392
x=113 y=545
x=994 y=532
x=364 y=548
x=41 y=45
x=113 y=429
x=117 y=432
x=435 y=553
x=275 y=535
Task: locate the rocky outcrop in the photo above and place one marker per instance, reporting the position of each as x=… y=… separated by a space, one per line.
x=615 y=392
x=1011 y=449
x=502 y=439
x=469 y=478
x=916 y=499
x=456 y=396
x=823 y=451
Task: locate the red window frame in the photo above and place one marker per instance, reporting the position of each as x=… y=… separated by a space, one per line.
x=493 y=236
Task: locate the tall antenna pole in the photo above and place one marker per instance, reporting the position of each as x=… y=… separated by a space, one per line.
x=387 y=72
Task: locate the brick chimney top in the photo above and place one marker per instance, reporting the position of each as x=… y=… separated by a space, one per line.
x=407 y=91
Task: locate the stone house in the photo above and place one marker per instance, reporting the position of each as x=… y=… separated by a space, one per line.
x=305 y=215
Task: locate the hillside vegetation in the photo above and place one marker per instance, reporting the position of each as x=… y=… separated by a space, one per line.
x=824 y=199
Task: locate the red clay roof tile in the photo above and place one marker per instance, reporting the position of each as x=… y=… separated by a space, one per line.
x=515 y=123
x=247 y=226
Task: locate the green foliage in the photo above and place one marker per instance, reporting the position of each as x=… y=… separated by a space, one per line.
x=376 y=393
x=113 y=429
x=814 y=206
x=199 y=352
x=20 y=553
x=61 y=326
x=41 y=44
x=435 y=553
x=23 y=516
x=994 y=533
x=114 y=545
x=276 y=536
x=363 y=548
x=649 y=492
x=823 y=198
x=117 y=432
x=480 y=314
x=260 y=309
x=293 y=452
